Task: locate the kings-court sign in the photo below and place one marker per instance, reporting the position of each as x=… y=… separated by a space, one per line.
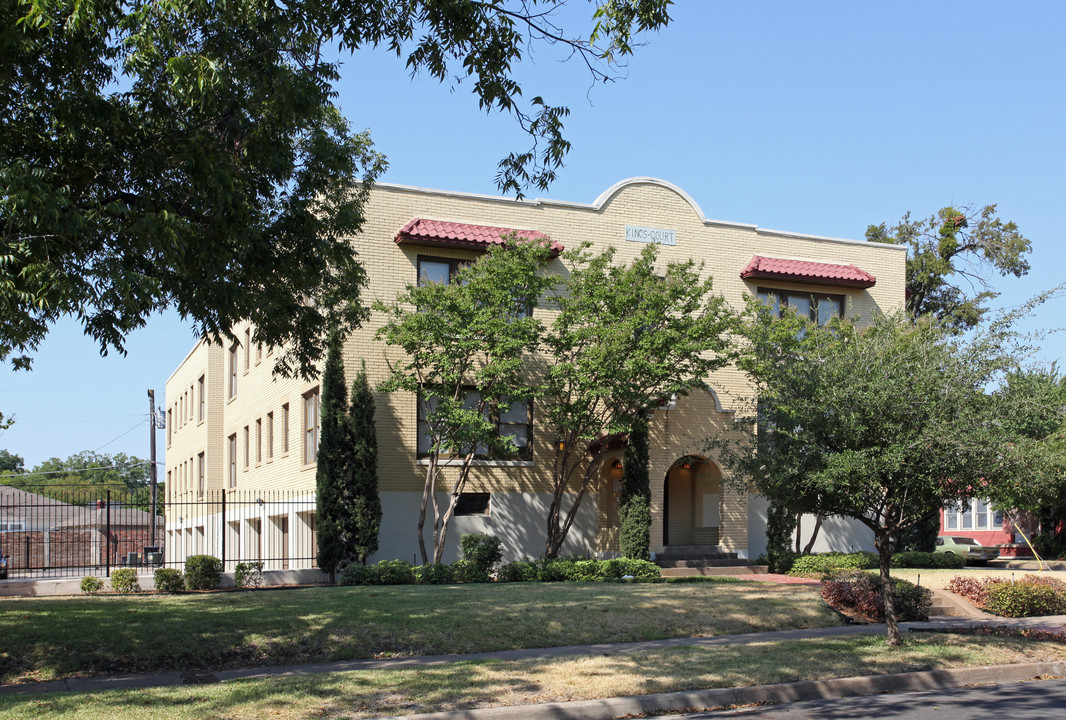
x=651 y=235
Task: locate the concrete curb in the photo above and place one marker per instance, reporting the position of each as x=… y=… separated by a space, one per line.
x=704 y=700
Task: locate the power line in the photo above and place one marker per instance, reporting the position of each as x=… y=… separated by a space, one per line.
x=119 y=437
x=76 y=470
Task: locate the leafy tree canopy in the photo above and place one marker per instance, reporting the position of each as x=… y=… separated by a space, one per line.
x=883 y=423
x=80 y=470
x=949 y=258
x=189 y=154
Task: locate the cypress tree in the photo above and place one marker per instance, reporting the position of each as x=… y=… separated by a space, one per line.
x=363 y=520
x=635 y=501
x=332 y=462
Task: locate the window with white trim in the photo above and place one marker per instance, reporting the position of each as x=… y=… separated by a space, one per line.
x=311 y=426
x=513 y=419
x=975 y=514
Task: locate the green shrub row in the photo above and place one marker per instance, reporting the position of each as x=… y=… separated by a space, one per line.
x=930 y=560
x=829 y=563
x=400 y=572
x=1032 y=595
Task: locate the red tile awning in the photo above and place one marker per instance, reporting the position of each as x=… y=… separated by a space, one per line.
x=807 y=271
x=437 y=233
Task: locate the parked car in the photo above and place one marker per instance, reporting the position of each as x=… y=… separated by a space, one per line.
x=967 y=548
x=3 y=566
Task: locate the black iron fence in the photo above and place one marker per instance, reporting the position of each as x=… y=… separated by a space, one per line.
x=56 y=531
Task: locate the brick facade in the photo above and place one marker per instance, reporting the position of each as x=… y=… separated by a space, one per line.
x=518 y=490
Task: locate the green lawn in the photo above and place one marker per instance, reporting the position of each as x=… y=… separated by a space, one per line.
x=48 y=638
x=468 y=685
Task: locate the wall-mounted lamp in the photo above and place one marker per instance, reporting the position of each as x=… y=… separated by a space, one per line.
x=687 y=465
x=617 y=464
x=562 y=446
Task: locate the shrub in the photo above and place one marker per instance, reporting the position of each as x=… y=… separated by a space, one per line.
x=832 y=562
x=484 y=550
x=1023 y=599
x=434 y=574
x=468 y=571
x=202 y=572
x=359 y=575
x=639 y=569
x=581 y=570
x=395 y=572
x=860 y=592
x=971 y=588
x=915 y=559
x=91 y=585
x=169 y=580
x=248 y=574
x=124 y=580
x=517 y=571
x=553 y=569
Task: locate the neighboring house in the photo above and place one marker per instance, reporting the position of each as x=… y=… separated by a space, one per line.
x=232 y=426
x=977 y=519
x=42 y=533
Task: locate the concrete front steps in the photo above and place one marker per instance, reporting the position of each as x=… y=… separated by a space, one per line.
x=689 y=560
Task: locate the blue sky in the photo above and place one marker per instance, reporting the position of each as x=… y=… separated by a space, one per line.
x=816 y=117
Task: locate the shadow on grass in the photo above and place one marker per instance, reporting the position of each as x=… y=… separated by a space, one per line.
x=47 y=638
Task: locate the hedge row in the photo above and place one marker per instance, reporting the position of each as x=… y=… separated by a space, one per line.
x=1032 y=595
x=916 y=559
x=829 y=563
x=400 y=572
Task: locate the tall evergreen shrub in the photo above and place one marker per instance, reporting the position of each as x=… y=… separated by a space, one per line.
x=364 y=516
x=332 y=462
x=635 y=501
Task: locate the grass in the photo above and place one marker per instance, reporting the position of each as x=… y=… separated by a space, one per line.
x=49 y=638
x=940 y=577
x=467 y=685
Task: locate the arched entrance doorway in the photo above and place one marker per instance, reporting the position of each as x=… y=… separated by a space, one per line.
x=692 y=502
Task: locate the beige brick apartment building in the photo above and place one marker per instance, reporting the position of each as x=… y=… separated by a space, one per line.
x=233 y=426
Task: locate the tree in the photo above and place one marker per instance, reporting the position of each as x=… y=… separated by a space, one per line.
x=466 y=346
x=11 y=463
x=333 y=463
x=364 y=503
x=189 y=154
x=624 y=337
x=954 y=246
x=883 y=424
x=635 y=501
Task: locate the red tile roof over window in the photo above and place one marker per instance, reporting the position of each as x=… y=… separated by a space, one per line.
x=463 y=235
x=807 y=271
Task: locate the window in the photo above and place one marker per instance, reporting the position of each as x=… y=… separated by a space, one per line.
x=285 y=428
x=818 y=307
x=513 y=419
x=258 y=353
x=270 y=435
x=192 y=399
x=247 y=448
x=200 y=468
x=472 y=503
x=233 y=460
x=310 y=426
x=437 y=270
x=170 y=426
x=201 y=400
x=181 y=409
x=259 y=440
x=247 y=349
x=12 y=526
x=169 y=487
x=233 y=370
x=973 y=514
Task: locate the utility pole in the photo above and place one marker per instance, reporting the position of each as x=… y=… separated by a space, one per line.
x=153 y=483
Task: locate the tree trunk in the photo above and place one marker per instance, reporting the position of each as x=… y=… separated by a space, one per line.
x=426 y=492
x=818 y=519
x=883 y=543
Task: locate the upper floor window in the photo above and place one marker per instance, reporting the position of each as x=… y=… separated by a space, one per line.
x=201 y=401
x=437 y=270
x=817 y=307
x=233 y=460
x=233 y=370
x=513 y=419
x=310 y=426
